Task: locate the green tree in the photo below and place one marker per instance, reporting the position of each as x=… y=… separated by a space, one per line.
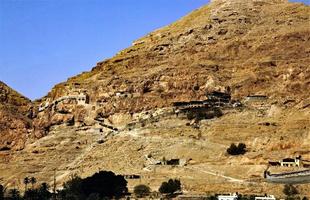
x=14 y=194
x=26 y=182
x=33 y=181
x=106 y=184
x=31 y=194
x=170 y=187
x=142 y=191
x=72 y=189
x=236 y=150
x=94 y=196
x=44 y=194
x=2 y=191
x=290 y=190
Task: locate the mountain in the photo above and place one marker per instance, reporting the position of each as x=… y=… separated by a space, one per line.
x=130 y=111
x=14 y=118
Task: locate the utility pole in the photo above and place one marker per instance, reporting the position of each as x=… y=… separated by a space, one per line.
x=54 y=185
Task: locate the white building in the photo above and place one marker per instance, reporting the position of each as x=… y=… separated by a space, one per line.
x=228 y=197
x=82 y=99
x=291 y=162
x=271 y=197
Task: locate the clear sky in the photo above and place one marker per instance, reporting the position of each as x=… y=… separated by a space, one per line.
x=43 y=42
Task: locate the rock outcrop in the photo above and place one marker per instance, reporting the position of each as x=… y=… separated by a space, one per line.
x=15 y=119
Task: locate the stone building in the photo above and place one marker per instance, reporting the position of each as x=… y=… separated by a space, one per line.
x=254 y=98
x=291 y=162
x=219 y=96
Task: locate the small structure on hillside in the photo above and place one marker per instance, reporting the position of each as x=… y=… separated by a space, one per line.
x=151 y=160
x=190 y=104
x=219 y=97
x=174 y=162
x=228 y=197
x=274 y=163
x=213 y=99
x=254 y=98
x=82 y=99
x=291 y=162
x=270 y=197
x=43 y=106
x=259 y=102
x=132 y=176
x=287 y=162
x=122 y=94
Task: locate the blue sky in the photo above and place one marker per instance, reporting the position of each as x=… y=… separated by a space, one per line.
x=43 y=42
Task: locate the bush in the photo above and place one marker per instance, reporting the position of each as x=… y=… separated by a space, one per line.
x=290 y=190
x=103 y=183
x=170 y=187
x=94 y=196
x=106 y=184
x=14 y=194
x=237 y=150
x=142 y=191
x=2 y=190
x=72 y=189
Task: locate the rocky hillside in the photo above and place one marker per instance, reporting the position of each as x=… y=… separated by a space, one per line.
x=252 y=47
x=14 y=118
x=122 y=115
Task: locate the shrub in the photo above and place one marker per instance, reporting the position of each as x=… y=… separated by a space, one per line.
x=72 y=189
x=93 y=196
x=106 y=184
x=290 y=190
x=2 y=190
x=170 y=187
x=237 y=150
x=142 y=191
x=14 y=194
x=31 y=194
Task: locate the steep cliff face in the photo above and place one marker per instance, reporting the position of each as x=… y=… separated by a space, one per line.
x=122 y=110
x=15 y=119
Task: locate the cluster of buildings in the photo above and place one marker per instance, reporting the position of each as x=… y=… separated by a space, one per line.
x=81 y=99
x=220 y=99
x=214 y=99
x=150 y=161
